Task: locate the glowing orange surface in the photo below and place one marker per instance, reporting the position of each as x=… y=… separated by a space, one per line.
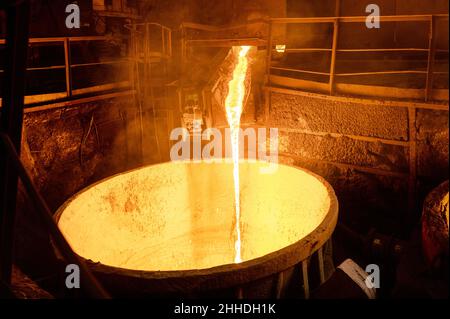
x=180 y=215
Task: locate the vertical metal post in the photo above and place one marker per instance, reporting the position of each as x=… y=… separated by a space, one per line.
x=163 y=42
x=305 y=278
x=132 y=56
x=68 y=67
x=135 y=57
x=280 y=285
x=268 y=95
x=337 y=8
x=149 y=91
x=183 y=53
x=147 y=60
x=267 y=104
x=269 y=52
x=17 y=16
x=333 y=55
x=239 y=293
x=170 y=42
x=412 y=178
x=431 y=56
x=321 y=265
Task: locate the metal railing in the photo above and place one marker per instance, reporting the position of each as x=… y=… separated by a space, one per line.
x=68 y=66
x=334 y=49
x=202 y=35
x=142 y=44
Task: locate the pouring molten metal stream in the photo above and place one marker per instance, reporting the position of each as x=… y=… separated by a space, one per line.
x=234 y=105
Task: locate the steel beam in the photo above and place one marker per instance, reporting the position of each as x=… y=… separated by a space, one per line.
x=17 y=16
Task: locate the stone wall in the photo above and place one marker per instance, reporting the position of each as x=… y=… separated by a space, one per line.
x=70 y=148
x=432 y=149
x=363 y=151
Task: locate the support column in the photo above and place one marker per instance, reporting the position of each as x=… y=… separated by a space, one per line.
x=17 y=18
